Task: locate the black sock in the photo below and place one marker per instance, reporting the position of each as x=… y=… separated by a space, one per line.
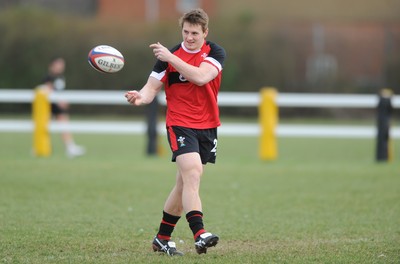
x=167 y=225
x=195 y=219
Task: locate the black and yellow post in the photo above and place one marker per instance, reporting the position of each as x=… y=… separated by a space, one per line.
x=152 y=137
x=41 y=114
x=268 y=118
x=384 y=146
x=154 y=146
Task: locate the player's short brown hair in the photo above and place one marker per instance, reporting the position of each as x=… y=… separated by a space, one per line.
x=195 y=17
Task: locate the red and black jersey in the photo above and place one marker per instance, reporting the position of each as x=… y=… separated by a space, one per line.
x=190 y=105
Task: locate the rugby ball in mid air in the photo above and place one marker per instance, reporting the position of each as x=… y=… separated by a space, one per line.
x=106 y=59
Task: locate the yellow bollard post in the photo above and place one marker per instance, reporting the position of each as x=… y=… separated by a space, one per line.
x=41 y=118
x=268 y=118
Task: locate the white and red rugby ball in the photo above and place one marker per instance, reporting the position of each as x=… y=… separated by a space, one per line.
x=106 y=59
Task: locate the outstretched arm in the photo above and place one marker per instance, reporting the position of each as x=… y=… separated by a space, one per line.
x=146 y=94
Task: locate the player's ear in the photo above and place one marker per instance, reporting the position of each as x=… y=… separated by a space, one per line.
x=205 y=33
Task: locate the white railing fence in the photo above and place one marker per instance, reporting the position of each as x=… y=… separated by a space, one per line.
x=225 y=99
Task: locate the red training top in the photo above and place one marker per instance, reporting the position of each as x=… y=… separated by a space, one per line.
x=190 y=105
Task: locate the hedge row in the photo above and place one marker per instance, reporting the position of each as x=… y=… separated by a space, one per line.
x=257 y=55
x=31 y=37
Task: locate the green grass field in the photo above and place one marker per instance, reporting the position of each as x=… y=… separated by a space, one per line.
x=322 y=201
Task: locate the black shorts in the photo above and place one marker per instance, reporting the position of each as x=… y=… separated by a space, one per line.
x=57 y=110
x=186 y=140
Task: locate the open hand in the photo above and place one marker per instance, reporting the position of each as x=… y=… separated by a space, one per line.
x=134 y=97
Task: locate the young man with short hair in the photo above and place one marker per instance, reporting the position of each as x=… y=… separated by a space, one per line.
x=191 y=75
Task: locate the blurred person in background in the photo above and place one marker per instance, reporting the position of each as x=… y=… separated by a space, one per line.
x=60 y=110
